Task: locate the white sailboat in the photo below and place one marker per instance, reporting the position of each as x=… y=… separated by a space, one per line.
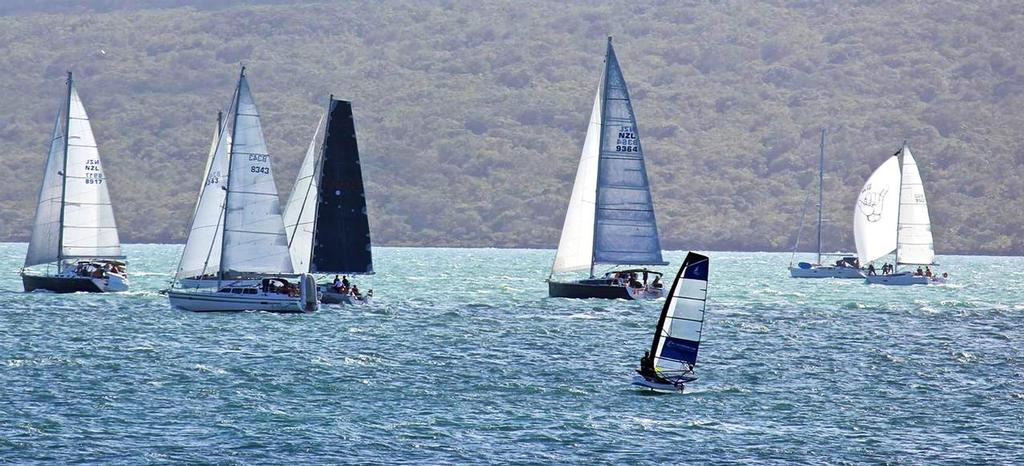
x=892 y=215
x=237 y=234
x=326 y=218
x=610 y=218
x=74 y=226
x=668 y=365
x=845 y=267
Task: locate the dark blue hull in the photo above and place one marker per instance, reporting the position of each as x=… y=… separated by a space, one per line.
x=60 y=284
x=580 y=290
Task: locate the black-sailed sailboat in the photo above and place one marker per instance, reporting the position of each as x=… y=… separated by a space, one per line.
x=74 y=224
x=326 y=219
x=668 y=365
x=610 y=218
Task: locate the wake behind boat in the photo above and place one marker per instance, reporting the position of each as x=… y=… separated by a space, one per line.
x=668 y=365
x=74 y=225
x=845 y=267
x=891 y=215
x=610 y=218
x=237 y=234
x=326 y=220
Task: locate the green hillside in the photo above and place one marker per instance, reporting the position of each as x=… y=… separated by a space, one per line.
x=471 y=115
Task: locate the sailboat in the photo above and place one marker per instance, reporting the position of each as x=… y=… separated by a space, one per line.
x=236 y=232
x=892 y=215
x=845 y=267
x=325 y=218
x=668 y=365
x=610 y=218
x=74 y=223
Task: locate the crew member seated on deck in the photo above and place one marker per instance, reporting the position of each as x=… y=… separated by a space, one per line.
x=657 y=282
x=919 y=272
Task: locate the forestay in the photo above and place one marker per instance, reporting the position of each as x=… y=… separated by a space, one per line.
x=677 y=337
x=915 y=228
x=576 y=246
x=300 y=211
x=201 y=255
x=341 y=238
x=625 y=231
x=876 y=213
x=254 y=237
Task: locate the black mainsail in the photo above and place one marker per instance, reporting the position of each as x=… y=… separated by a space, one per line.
x=341 y=236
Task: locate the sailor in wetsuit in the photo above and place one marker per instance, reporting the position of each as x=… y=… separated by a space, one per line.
x=647 y=366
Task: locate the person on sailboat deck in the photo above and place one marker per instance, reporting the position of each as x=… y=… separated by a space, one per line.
x=871 y=269
x=337 y=283
x=919 y=272
x=355 y=292
x=657 y=282
x=928 y=272
x=345 y=282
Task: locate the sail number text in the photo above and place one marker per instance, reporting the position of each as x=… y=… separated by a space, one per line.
x=627 y=141
x=259 y=158
x=93 y=172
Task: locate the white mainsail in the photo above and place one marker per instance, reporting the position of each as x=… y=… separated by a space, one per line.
x=876 y=213
x=201 y=255
x=915 y=228
x=254 y=236
x=576 y=246
x=300 y=211
x=74 y=175
x=677 y=338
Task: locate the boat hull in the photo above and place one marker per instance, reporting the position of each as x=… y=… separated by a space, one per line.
x=827 y=271
x=660 y=387
x=330 y=297
x=904 y=279
x=582 y=290
x=59 y=284
x=215 y=301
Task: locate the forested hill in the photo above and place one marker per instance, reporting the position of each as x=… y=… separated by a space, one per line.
x=471 y=115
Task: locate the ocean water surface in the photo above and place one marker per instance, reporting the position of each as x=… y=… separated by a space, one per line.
x=463 y=359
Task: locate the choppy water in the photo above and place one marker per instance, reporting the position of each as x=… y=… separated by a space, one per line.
x=463 y=359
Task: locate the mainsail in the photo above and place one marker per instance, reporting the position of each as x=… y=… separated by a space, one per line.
x=341 y=238
x=74 y=217
x=914 y=239
x=677 y=337
x=300 y=211
x=877 y=211
x=610 y=218
x=254 y=238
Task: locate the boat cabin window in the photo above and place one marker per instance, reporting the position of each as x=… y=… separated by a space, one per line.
x=250 y=291
x=236 y=291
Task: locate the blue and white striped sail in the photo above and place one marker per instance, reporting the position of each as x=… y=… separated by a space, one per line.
x=677 y=338
x=625 y=231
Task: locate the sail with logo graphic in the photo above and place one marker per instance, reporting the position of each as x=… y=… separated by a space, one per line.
x=877 y=212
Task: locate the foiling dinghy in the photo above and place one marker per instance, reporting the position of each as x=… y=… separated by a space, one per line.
x=892 y=215
x=845 y=266
x=74 y=225
x=668 y=365
x=326 y=219
x=610 y=218
x=237 y=234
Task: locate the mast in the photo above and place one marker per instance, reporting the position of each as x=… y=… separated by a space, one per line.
x=899 y=205
x=600 y=147
x=821 y=187
x=64 y=178
x=227 y=184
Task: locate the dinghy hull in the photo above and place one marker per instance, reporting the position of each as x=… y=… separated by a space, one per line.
x=660 y=387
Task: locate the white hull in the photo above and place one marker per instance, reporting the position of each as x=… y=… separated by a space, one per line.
x=247 y=298
x=659 y=387
x=214 y=283
x=825 y=271
x=904 y=279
